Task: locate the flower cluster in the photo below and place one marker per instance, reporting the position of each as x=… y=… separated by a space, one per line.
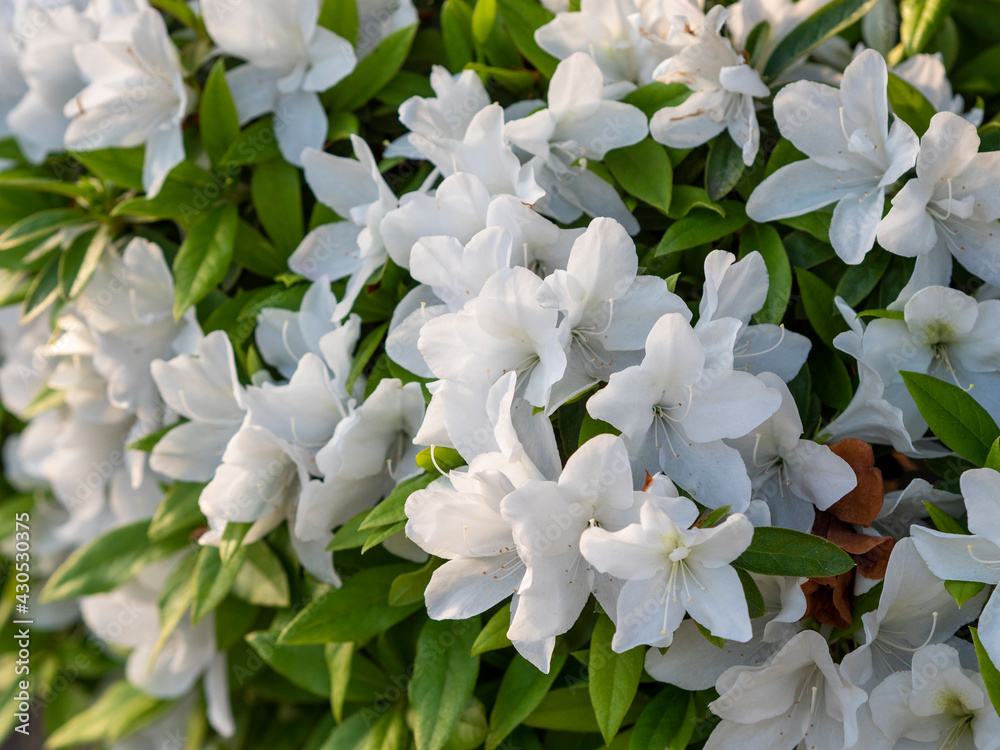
x=329 y=328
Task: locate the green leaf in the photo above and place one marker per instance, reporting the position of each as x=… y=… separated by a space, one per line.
x=993 y=457
x=813 y=31
x=494 y=635
x=955 y=417
x=523 y=18
x=339 y=657
x=341 y=18
x=277 y=198
x=355 y=612
x=372 y=72
x=456 y=28
x=43 y=291
x=981 y=74
x=442 y=461
x=942 y=521
x=119 y=166
x=782 y=552
x=859 y=281
x=643 y=170
x=382 y=533
x=444 y=676
x=256 y=253
x=724 y=166
x=614 y=678
x=305 y=666
x=220 y=125
x=255 y=143
x=834 y=388
x=962 y=591
x=755 y=600
x=569 y=710
x=988 y=670
x=232 y=540
x=121 y=709
x=764 y=239
x=890 y=314
x=107 y=562
x=204 y=257
x=523 y=687
x=350 y=535
x=80 y=260
x=366 y=349
x=666 y=718
x=390 y=510
x=213 y=580
x=484 y=18
x=261 y=578
x=185 y=196
x=654 y=96
x=22 y=237
x=176 y=597
x=688 y=197
x=920 y=21
x=178 y=511
x=909 y=105
x=817 y=298
x=701 y=226
x=408 y=588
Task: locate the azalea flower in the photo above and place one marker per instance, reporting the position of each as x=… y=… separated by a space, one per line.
x=579 y=124
x=206 y=390
x=352 y=248
x=960 y=557
x=444 y=117
x=853 y=155
x=680 y=402
x=50 y=74
x=377 y=19
x=949 y=210
x=136 y=94
x=23 y=369
x=603 y=29
x=548 y=519
x=951 y=709
x=914 y=610
x=781 y=16
x=793 y=476
x=800 y=694
x=290 y=59
x=928 y=75
x=737 y=289
x=671 y=569
x=723 y=89
x=607 y=309
x=694 y=663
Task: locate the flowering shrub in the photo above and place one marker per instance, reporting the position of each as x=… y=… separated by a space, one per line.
x=567 y=375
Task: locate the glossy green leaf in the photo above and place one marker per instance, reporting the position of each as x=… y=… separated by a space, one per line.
x=776 y=551
x=614 y=678
x=220 y=125
x=764 y=239
x=523 y=687
x=204 y=257
x=643 y=170
x=724 y=166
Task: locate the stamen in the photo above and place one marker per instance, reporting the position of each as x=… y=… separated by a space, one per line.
x=815 y=688
x=770 y=348
x=284 y=340
x=949 y=201
x=987 y=563
x=678 y=420
x=435 y=463
x=843 y=126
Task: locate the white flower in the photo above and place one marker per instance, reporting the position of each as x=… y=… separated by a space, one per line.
x=379 y=18
x=136 y=94
x=928 y=75
x=579 y=124
x=914 y=609
x=128 y=305
x=959 y=557
x=952 y=206
x=800 y=694
x=356 y=190
x=602 y=29
x=285 y=336
x=938 y=704
x=49 y=34
x=290 y=60
x=694 y=663
x=680 y=402
x=23 y=368
x=781 y=16
x=944 y=333
x=548 y=518
x=723 y=88
x=607 y=309
x=795 y=477
x=738 y=289
x=670 y=569
x=443 y=117
x=206 y=390
x=853 y=155
x=458 y=518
